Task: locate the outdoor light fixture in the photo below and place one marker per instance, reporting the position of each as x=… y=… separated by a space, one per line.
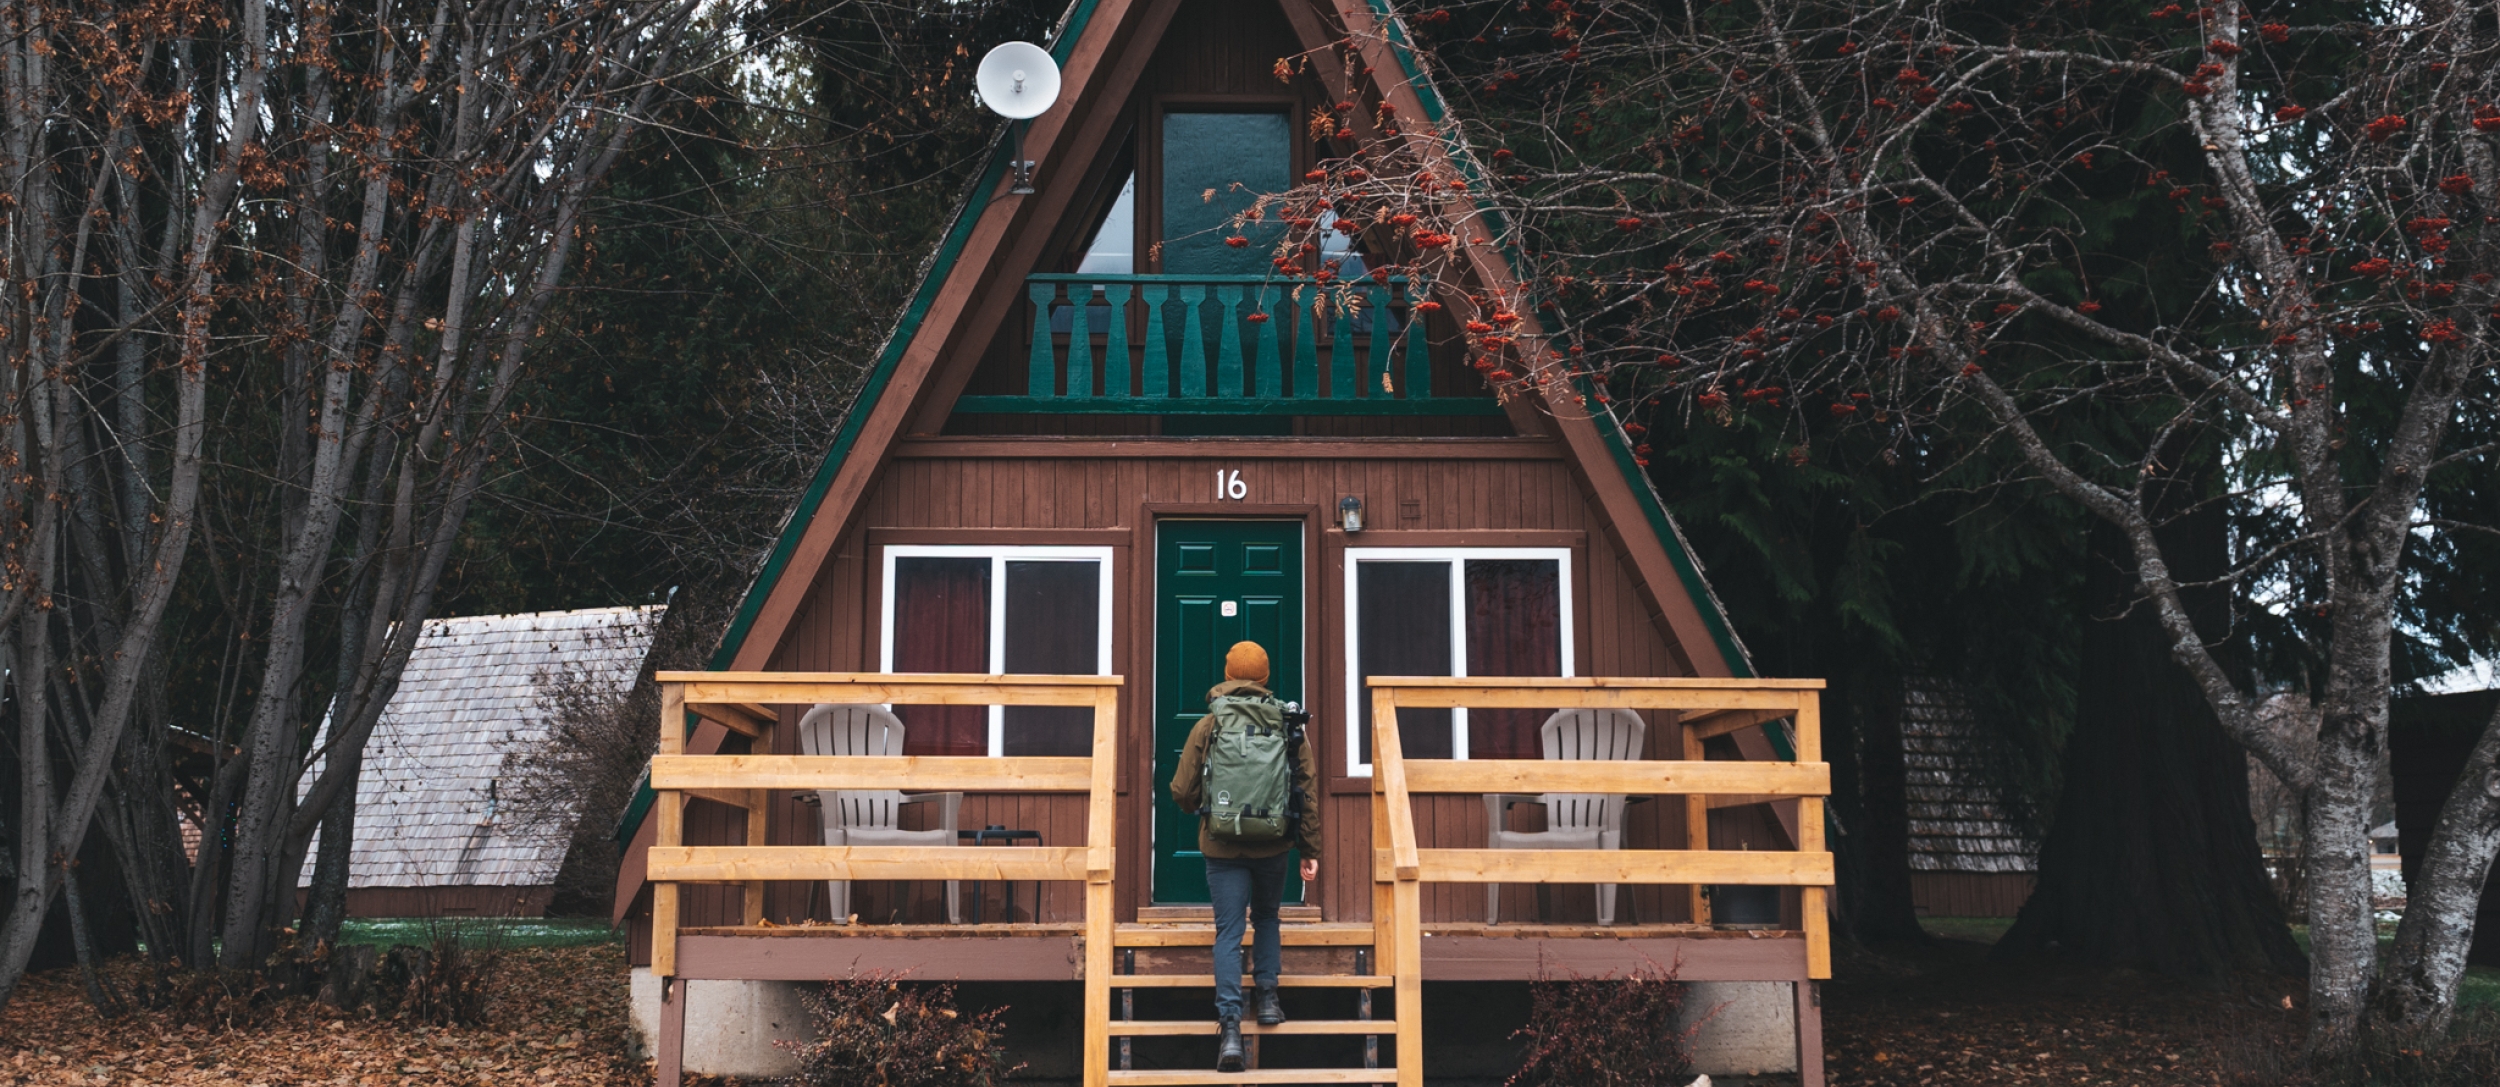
x=1350 y=513
x=1017 y=81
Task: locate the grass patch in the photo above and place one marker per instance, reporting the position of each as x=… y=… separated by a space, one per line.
x=487 y=931
x=1978 y=930
x=2480 y=988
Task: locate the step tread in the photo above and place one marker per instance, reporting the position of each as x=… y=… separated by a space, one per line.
x=1288 y=981
x=1171 y=1027
x=1153 y=914
x=1202 y=934
x=1263 y=1075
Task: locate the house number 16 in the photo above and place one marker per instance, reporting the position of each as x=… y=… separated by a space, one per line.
x=1228 y=485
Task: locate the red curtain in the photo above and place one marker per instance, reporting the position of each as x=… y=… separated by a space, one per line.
x=1514 y=628
x=942 y=624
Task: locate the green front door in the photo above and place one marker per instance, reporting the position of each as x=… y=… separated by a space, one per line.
x=1216 y=583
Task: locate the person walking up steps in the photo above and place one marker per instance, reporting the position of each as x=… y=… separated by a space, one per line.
x=1248 y=773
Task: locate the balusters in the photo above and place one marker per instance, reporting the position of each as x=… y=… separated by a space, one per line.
x=1306 y=343
x=1115 y=362
x=1193 y=361
x=1158 y=363
x=1384 y=336
x=1418 y=353
x=1238 y=338
x=1041 y=370
x=1354 y=305
x=1080 y=340
x=1228 y=339
x=1264 y=335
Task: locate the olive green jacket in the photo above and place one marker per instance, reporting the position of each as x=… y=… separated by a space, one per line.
x=1188 y=789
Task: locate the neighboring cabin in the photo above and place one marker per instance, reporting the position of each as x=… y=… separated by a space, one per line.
x=434 y=837
x=1969 y=855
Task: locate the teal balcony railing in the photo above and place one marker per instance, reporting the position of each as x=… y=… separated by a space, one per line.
x=1224 y=345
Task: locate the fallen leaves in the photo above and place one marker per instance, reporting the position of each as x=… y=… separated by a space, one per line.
x=1948 y=1020
x=559 y=1020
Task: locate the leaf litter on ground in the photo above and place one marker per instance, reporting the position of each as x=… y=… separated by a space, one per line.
x=558 y=1018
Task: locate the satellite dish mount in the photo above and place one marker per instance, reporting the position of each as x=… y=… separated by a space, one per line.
x=1017 y=81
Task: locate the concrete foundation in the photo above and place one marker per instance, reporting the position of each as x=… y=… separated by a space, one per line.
x=1738 y=1029
x=1741 y=1028
x=730 y=1025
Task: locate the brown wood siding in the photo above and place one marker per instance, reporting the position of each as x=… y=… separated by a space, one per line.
x=1971 y=894
x=1475 y=499
x=449 y=901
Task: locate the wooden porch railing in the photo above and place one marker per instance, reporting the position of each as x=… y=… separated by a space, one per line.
x=1401 y=866
x=1225 y=345
x=738 y=700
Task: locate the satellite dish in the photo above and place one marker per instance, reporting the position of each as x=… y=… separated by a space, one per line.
x=1017 y=80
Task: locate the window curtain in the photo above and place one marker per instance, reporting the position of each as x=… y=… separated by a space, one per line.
x=942 y=624
x=1514 y=628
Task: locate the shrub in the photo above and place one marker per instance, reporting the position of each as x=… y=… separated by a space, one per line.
x=1606 y=1032
x=873 y=1030
x=215 y=998
x=446 y=984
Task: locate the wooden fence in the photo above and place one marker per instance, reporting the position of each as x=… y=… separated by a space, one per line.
x=1400 y=865
x=741 y=701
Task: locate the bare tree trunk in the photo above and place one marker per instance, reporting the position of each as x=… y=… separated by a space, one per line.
x=2419 y=990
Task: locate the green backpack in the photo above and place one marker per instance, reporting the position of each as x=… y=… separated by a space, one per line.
x=1248 y=775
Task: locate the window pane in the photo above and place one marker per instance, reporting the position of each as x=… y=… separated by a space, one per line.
x=1114 y=244
x=942 y=624
x=1402 y=616
x=1514 y=628
x=1054 y=627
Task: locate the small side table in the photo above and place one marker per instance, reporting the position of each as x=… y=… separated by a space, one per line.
x=985 y=836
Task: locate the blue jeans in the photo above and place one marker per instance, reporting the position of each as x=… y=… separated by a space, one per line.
x=1253 y=887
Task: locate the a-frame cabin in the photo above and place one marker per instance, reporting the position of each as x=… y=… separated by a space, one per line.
x=1081 y=455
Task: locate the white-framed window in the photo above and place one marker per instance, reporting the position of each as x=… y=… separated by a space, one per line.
x=1454 y=611
x=987 y=610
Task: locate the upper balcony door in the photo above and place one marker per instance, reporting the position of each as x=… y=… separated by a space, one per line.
x=1215 y=166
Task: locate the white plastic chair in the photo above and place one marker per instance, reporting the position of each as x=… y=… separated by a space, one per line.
x=1572 y=820
x=869 y=816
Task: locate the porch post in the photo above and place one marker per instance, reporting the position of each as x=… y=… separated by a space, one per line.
x=1809 y=1033
x=671 y=1055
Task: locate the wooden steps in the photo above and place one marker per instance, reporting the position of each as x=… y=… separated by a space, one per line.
x=1288 y=981
x=1141 y=1028
x=1205 y=915
x=1262 y=1075
x=1203 y=935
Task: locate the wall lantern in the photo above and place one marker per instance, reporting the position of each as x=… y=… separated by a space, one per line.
x=1350 y=513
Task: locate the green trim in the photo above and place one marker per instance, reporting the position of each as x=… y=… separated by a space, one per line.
x=906 y=329
x=1661 y=523
x=1217 y=405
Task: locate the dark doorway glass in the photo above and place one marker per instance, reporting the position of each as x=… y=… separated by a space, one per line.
x=1054 y=627
x=1402 y=621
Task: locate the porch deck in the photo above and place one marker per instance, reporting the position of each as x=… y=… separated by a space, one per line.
x=1396 y=950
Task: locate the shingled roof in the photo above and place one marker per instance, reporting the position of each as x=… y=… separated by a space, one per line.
x=1958 y=821
x=469 y=701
